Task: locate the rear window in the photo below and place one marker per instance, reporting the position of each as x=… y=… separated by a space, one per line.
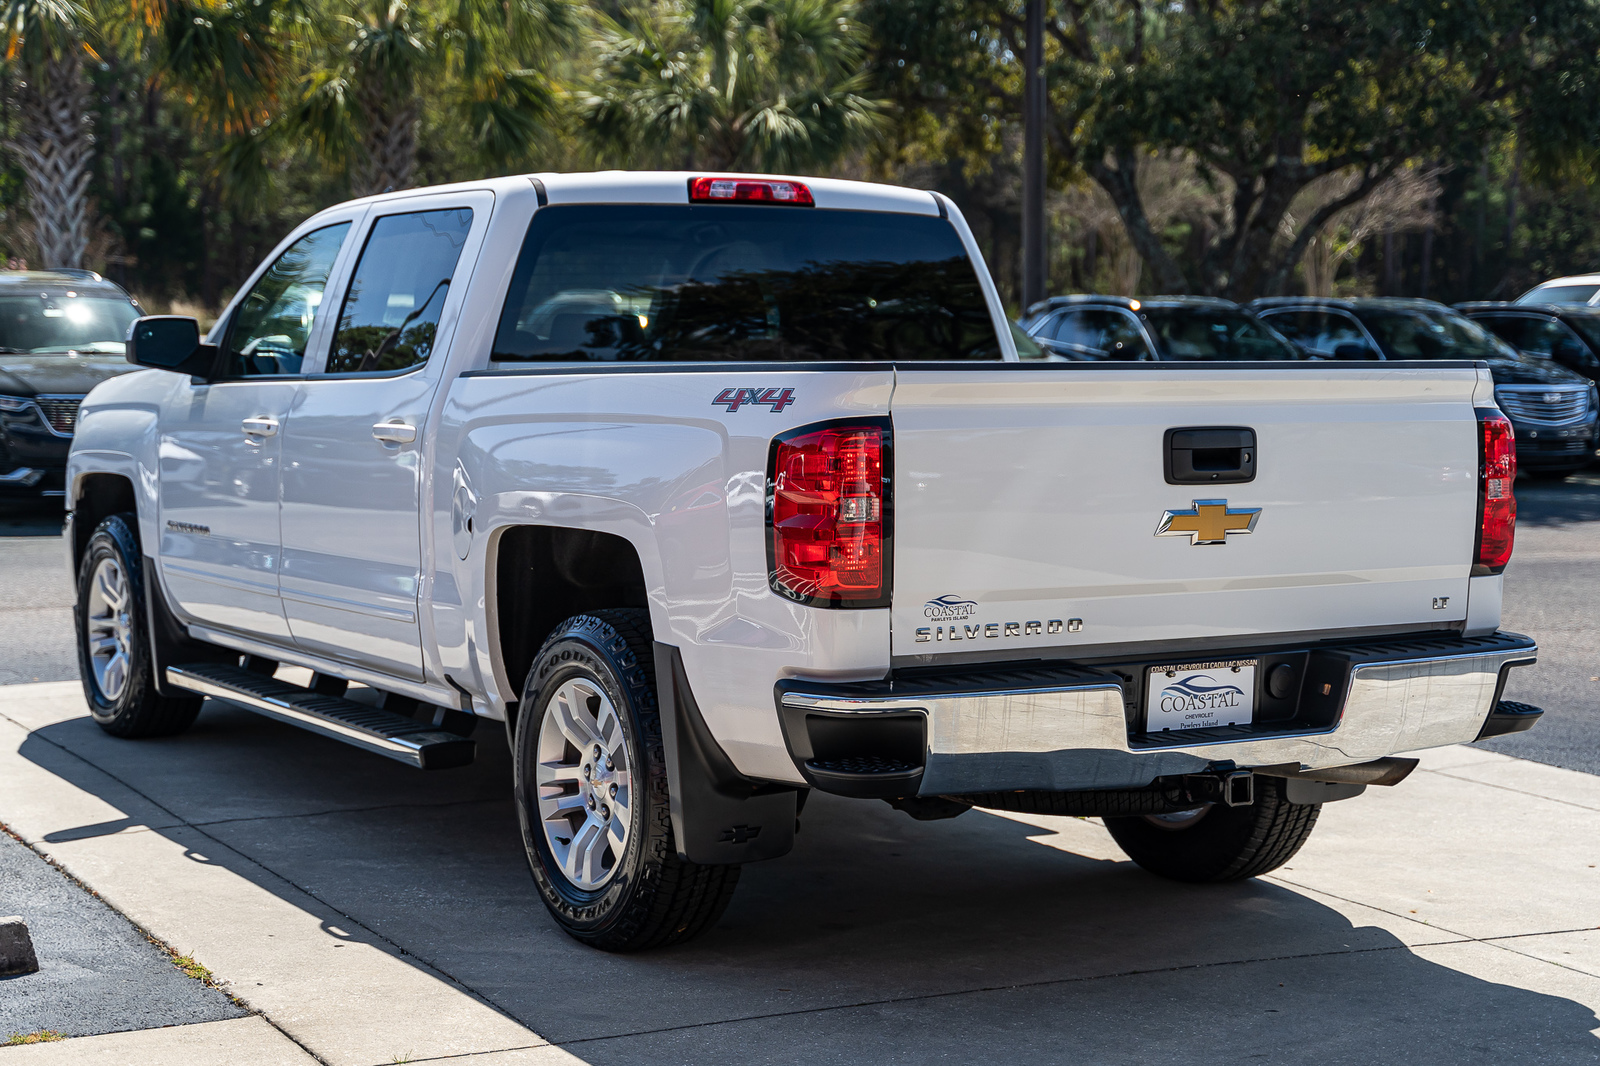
x=691 y=283
x=1219 y=334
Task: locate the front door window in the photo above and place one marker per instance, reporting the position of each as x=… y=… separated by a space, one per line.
x=273 y=322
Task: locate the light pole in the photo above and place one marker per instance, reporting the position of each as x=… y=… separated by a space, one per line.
x=1033 y=104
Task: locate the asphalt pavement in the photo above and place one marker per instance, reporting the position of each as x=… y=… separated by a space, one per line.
x=1553 y=595
x=35 y=596
x=97 y=973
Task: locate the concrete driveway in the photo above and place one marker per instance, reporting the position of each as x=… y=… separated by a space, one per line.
x=369 y=913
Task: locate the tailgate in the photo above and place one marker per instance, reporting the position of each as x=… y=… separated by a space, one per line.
x=1027 y=499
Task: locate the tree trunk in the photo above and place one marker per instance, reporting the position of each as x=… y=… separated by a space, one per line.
x=1121 y=183
x=389 y=142
x=55 y=146
x=1321 y=263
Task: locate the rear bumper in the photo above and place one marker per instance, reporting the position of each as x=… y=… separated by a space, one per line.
x=1066 y=728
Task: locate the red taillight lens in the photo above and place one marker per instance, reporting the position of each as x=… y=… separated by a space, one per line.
x=828 y=515
x=749 y=190
x=1497 y=507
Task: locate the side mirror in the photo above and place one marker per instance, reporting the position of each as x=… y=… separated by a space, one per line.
x=171 y=342
x=1353 y=352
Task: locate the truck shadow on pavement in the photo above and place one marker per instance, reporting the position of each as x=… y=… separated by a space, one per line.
x=880 y=939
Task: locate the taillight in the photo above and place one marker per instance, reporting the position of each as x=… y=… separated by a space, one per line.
x=828 y=514
x=749 y=190
x=1497 y=507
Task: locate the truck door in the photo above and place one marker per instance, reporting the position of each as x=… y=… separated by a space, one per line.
x=353 y=444
x=221 y=444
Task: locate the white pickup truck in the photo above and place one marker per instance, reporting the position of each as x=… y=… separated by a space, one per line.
x=720 y=489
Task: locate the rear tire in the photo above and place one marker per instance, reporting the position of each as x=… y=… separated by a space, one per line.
x=591 y=792
x=1218 y=843
x=114 y=658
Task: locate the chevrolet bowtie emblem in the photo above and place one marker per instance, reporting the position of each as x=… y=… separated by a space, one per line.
x=1209 y=523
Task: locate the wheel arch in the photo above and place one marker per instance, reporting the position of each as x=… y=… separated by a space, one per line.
x=96 y=497
x=541 y=575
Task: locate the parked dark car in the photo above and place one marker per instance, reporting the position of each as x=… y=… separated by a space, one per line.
x=1569 y=334
x=1553 y=410
x=1165 y=328
x=61 y=334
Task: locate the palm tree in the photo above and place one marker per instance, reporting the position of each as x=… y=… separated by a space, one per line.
x=46 y=42
x=221 y=54
x=370 y=66
x=722 y=84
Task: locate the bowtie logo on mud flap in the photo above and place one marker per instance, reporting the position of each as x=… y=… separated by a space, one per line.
x=733 y=399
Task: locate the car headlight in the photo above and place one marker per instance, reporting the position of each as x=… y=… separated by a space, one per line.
x=14 y=403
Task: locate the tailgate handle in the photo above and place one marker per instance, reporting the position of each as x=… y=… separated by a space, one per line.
x=1210 y=455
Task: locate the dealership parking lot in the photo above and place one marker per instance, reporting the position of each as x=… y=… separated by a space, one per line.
x=366 y=913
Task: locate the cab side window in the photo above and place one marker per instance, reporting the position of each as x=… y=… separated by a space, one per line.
x=1513 y=329
x=1320 y=332
x=391 y=312
x=1119 y=338
x=270 y=329
x=1298 y=326
x=1542 y=336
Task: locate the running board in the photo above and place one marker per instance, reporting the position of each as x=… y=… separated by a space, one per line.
x=383 y=732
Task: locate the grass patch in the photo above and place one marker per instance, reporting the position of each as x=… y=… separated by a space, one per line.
x=193 y=969
x=43 y=1036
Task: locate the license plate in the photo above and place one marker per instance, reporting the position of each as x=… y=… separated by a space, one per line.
x=1200 y=695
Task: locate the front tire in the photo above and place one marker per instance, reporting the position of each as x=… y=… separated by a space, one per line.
x=591 y=792
x=114 y=658
x=1219 y=843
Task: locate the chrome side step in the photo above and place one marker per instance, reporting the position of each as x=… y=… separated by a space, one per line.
x=383 y=732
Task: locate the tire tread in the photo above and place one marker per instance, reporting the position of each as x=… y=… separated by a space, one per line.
x=1227 y=844
x=144 y=711
x=676 y=899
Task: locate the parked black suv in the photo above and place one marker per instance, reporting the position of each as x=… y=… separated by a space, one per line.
x=1567 y=333
x=1167 y=328
x=1553 y=409
x=61 y=334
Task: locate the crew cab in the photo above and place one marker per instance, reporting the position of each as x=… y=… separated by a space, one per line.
x=719 y=490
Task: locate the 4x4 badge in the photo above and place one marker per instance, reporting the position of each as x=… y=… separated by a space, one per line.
x=733 y=399
x=1209 y=522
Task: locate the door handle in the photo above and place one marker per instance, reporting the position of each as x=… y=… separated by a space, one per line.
x=260 y=428
x=396 y=432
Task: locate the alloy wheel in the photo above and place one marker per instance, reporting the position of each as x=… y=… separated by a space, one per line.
x=109 y=626
x=584 y=783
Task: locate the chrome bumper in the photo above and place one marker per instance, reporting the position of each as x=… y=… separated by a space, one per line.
x=1067 y=729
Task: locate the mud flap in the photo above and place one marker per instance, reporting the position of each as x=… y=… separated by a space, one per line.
x=170 y=643
x=719 y=816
